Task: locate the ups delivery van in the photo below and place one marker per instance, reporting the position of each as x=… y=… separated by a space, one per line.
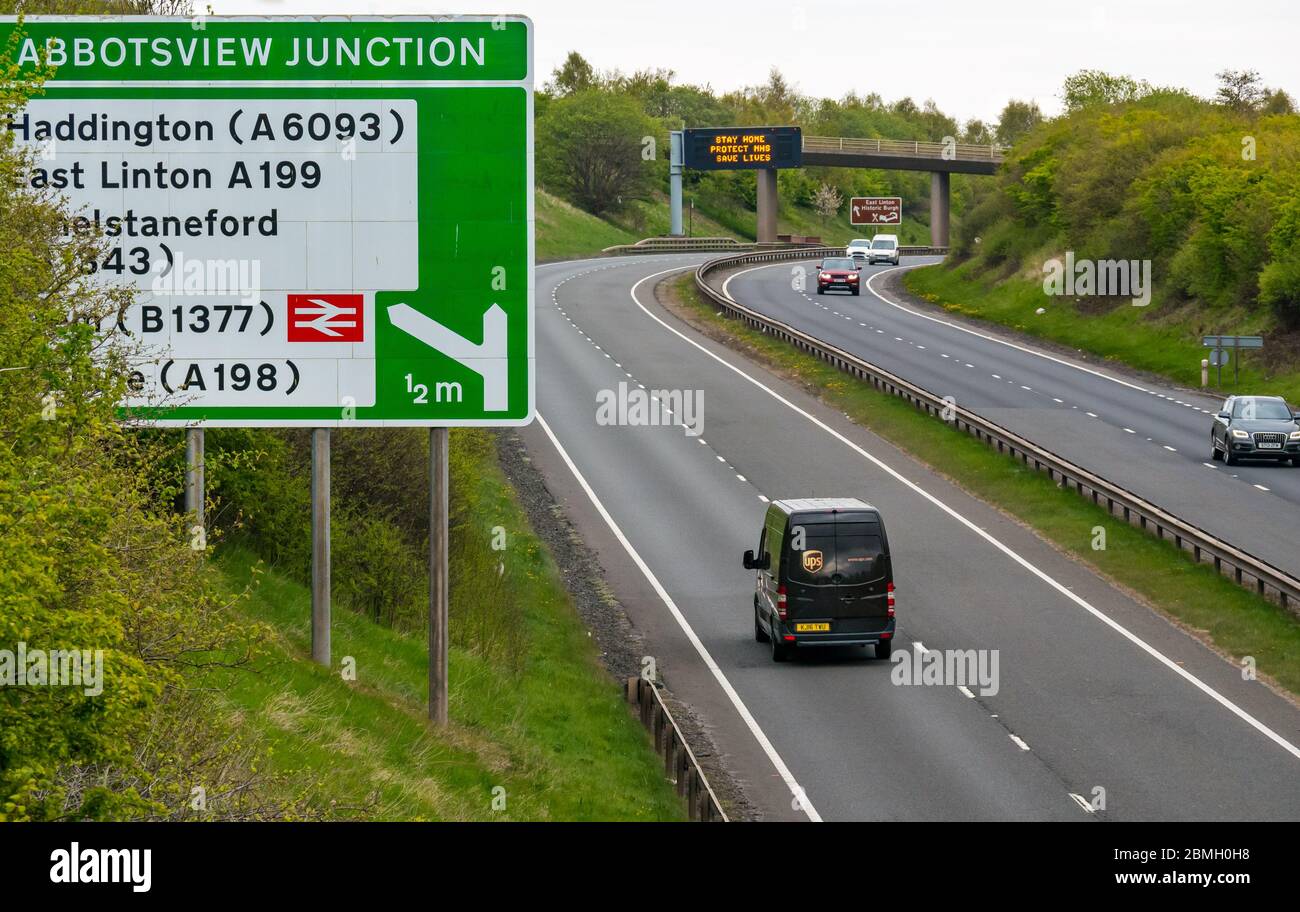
x=823 y=577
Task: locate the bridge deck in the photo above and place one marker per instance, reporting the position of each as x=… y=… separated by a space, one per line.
x=850 y=152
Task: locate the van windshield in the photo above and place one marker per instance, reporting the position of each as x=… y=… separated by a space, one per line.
x=843 y=554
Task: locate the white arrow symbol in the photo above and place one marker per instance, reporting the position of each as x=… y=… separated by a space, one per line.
x=487 y=359
x=327 y=311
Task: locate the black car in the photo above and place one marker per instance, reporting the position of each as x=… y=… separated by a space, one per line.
x=824 y=577
x=1255 y=427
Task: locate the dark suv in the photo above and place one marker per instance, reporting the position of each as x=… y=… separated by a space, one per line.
x=1255 y=427
x=824 y=577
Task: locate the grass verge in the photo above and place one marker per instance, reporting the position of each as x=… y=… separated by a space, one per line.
x=566 y=232
x=553 y=734
x=1133 y=336
x=1224 y=615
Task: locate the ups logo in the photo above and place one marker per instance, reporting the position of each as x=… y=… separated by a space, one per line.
x=812 y=561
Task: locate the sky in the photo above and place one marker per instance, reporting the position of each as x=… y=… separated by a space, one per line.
x=970 y=57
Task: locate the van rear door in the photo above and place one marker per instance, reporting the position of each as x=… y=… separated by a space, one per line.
x=841 y=574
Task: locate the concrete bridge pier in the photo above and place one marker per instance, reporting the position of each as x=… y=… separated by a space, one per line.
x=939 y=182
x=767 y=205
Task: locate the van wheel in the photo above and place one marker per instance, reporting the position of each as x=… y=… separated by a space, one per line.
x=758 y=628
x=884 y=649
x=780 y=652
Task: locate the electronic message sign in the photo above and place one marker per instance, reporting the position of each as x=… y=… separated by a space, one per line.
x=327 y=221
x=743 y=148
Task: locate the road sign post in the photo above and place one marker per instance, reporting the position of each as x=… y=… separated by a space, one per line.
x=439 y=504
x=327 y=222
x=194 y=487
x=1220 y=346
x=320 y=546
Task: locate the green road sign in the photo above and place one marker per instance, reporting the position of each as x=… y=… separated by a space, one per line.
x=329 y=221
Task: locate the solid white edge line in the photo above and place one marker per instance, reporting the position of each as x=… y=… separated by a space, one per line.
x=950 y=324
x=1083 y=803
x=795 y=789
x=1005 y=549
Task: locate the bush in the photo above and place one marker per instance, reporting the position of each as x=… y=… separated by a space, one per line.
x=91 y=557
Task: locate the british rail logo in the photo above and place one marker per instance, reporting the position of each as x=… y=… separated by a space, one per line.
x=326 y=318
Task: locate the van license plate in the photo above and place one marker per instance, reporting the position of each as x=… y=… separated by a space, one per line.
x=812 y=628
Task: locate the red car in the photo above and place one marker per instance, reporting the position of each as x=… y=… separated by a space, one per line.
x=838 y=272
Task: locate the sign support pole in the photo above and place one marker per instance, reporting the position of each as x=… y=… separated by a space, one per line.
x=675 y=183
x=767 y=205
x=438 y=567
x=194 y=489
x=320 y=546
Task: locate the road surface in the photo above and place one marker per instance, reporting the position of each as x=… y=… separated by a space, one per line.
x=1095 y=691
x=1151 y=438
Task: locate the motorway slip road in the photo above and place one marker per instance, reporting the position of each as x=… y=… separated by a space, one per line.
x=1095 y=690
x=1151 y=438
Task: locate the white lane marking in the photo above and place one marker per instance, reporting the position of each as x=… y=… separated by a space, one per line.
x=1083 y=803
x=1019 y=742
x=764 y=499
x=1058 y=401
x=987 y=337
x=1261 y=487
x=966 y=690
x=1169 y=448
x=1023 y=387
x=741 y=477
x=1209 y=465
x=784 y=771
x=991 y=539
x=1129 y=431
x=1092 y=414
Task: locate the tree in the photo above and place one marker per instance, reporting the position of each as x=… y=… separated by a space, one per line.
x=1240 y=90
x=977 y=131
x=1088 y=88
x=1277 y=102
x=827 y=200
x=1017 y=119
x=573 y=76
x=592 y=150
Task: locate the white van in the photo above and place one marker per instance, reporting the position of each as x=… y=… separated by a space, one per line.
x=884 y=249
